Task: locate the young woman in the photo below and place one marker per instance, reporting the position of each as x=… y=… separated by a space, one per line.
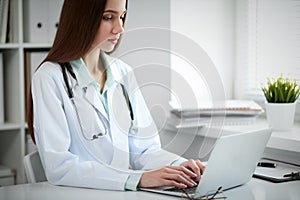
x=91 y=125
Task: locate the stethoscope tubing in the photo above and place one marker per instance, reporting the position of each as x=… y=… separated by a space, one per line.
x=132 y=129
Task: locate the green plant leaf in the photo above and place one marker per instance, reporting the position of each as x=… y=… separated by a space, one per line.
x=275 y=95
x=281 y=94
x=288 y=98
x=281 y=90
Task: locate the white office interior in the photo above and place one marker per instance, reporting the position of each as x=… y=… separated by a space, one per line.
x=183 y=52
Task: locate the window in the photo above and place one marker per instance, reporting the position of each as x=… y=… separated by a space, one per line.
x=268 y=44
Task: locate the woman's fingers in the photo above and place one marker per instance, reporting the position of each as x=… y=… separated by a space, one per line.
x=202 y=167
x=167 y=182
x=191 y=164
x=196 y=166
x=179 y=174
x=185 y=170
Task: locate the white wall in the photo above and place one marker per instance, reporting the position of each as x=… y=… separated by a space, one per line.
x=144 y=45
x=209 y=24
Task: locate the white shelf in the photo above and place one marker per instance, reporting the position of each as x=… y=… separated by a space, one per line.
x=13 y=131
x=9 y=46
x=10 y=126
x=36 y=45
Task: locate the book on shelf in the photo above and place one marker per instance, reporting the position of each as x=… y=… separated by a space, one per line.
x=4 y=11
x=1 y=89
x=11 y=23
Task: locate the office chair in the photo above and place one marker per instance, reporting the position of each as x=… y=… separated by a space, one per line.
x=33 y=168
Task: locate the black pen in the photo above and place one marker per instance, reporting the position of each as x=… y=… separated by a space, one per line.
x=292 y=174
x=267 y=164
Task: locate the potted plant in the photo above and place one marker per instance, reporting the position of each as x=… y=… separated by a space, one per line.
x=281 y=95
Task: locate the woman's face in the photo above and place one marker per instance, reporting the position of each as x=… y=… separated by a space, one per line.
x=111 y=25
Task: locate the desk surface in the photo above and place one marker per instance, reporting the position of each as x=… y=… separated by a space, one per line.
x=255 y=189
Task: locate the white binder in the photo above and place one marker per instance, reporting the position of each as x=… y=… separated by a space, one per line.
x=1 y=89
x=4 y=5
x=40 y=19
x=35 y=21
x=53 y=17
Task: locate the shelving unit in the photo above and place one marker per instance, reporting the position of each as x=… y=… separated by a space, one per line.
x=13 y=131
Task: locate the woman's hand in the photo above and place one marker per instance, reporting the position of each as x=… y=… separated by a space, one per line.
x=196 y=166
x=178 y=176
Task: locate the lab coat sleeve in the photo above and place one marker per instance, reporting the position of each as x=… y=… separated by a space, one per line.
x=53 y=139
x=145 y=147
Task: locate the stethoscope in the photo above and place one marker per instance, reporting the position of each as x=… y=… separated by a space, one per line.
x=132 y=129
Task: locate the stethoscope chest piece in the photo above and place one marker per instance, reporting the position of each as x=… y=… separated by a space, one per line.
x=133 y=130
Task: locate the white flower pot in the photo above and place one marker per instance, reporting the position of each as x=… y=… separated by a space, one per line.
x=280 y=116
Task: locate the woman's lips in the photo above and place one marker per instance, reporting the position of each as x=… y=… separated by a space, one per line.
x=113 y=41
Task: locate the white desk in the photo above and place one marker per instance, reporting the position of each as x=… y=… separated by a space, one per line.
x=255 y=189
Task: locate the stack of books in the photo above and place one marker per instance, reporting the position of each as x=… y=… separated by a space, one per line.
x=229 y=112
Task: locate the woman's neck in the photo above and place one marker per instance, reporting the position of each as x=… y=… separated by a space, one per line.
x=95 y=66
x=93 y=62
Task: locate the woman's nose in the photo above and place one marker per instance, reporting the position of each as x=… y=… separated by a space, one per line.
x=118 y=27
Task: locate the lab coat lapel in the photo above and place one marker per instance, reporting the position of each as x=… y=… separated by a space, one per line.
x=92 y=97
x=118 y=111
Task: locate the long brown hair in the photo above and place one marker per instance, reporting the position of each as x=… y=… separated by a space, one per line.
x=78 y=25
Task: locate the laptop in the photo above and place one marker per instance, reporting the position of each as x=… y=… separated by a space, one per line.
x=232 y=163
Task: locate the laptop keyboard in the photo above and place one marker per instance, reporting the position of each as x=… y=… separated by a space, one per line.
x=190 y=190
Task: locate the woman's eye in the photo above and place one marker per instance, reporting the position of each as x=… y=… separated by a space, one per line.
x=107 y=17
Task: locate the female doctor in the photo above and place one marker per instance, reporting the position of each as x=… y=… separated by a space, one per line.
x=89 y=120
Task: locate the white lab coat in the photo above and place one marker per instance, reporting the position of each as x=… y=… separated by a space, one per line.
x=104 y=163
